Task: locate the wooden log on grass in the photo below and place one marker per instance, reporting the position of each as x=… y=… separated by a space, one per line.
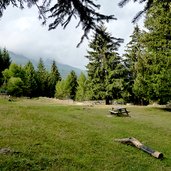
x=139 y=145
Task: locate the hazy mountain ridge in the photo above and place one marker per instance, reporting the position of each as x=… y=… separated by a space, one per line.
x=63 y=68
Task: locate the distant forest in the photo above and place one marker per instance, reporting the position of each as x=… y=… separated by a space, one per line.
x=141 y=76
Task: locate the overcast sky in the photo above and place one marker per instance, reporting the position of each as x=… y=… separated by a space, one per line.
x=21 y=32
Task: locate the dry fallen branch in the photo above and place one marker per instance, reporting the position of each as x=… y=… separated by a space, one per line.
x=138 y=144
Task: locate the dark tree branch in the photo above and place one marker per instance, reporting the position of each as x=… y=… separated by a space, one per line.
x=148 y=5
x=64 y=10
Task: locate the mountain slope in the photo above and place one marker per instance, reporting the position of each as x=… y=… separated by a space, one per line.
x=64 y=69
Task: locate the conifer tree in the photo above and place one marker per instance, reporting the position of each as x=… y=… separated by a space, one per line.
x=54 y=77
x=30 y=83
x=131 y=57
x=42 y=79
x=5 y=62
x=105 y=70
x=155 y=73
x=66 y=88
x=71 y=84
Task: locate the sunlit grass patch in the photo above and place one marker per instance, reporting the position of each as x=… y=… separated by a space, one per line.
x=49 y=136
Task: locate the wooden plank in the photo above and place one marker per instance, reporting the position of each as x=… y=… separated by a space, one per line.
x=113 y=112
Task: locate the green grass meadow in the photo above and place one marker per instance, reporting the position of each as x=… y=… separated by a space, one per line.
x=47 y=136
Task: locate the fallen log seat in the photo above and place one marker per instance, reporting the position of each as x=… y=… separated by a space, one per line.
x=139 y=145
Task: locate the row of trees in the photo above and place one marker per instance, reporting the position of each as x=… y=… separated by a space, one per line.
x=20 y=80
x=26 y=81
x=72 y=87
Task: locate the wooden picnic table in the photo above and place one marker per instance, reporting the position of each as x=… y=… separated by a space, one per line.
x=119 y=111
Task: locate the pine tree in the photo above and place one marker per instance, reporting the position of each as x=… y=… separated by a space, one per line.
x=6 y=59
x=155 y=73
x=147 y=6
x=5 y=62
x=104 y=69
x=131 y=57
x=1 y=68
x=30 y=82
x=54 y=77
x=42 y=79
x=71 y=84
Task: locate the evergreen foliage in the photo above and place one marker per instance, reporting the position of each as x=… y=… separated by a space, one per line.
x=42 y=79
x=153 y=80
x=71 y=85
x=61 y=12
x=54 y=77
x=34 y=83
x=30 y=83
x=131 y=57
x=66 y=88
x=105 y=70
x=148 y=5
x=5 y=62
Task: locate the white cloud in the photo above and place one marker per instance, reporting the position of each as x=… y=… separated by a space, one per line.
x=22 y=32
x=23 y=24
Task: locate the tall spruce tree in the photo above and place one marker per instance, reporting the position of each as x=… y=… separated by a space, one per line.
x=5 y=62
x=54 y=77
x=71 y=84
x=133 y=54
x=42 y=79
x=153 y=80
x=30 y=83
x=105 y=69
x=1 y=68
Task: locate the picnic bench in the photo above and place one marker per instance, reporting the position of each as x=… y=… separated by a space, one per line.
x=119 y=111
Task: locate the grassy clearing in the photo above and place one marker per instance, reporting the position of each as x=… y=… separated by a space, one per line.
x=47 y=136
